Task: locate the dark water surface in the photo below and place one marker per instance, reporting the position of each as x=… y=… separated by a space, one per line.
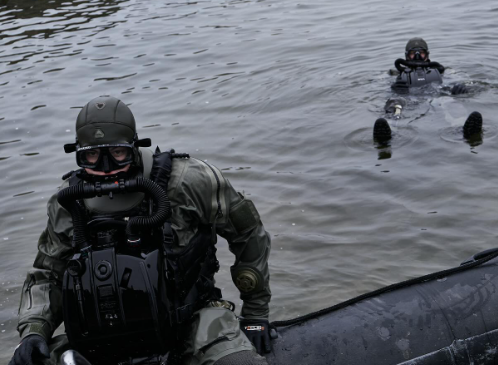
x=282 y=96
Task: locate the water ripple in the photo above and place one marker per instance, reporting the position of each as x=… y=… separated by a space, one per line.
x=282 y=96
x=50 y=18
x=114 y=78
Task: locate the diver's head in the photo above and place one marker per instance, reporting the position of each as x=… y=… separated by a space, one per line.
x=417 y=50
x=106 y=138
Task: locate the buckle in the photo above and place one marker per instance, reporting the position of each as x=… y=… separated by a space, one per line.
x=183 y=313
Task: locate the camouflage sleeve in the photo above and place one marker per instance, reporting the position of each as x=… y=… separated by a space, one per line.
x=200 y=193
x=40 y=310
x=250 y=244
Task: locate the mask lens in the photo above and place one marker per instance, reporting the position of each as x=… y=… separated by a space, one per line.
x=91 y=156
x=121 y=154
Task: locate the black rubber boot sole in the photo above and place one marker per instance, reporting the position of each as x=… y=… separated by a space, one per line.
x=473 y=125
x=381 y=131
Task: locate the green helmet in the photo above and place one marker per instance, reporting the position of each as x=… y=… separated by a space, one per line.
x=104 y=121
x=416 y=43
x=106 y=127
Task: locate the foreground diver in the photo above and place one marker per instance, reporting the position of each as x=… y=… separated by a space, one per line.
x=417 y=70
x=127 y=260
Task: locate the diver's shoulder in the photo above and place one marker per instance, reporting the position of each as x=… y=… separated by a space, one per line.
x=194 y=169
x=193 y=163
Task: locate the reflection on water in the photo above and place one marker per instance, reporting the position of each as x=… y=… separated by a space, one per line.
x=455 y=135
x=362 y=139
x=25 y=19
x=384 y=151
x=474 y=140
x=282 y=97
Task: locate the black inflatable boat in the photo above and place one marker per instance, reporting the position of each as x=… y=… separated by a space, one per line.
x=449 y=317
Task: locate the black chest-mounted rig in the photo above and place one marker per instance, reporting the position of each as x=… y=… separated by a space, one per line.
x=125 y=292
x=419 y=73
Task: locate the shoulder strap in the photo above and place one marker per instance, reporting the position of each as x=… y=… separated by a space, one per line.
x=218 y=200
x=162 y=164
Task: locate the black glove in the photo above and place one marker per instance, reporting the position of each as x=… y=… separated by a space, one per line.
x=459 y=89
x=400 y=86
x=258 y=332
x=31 y=347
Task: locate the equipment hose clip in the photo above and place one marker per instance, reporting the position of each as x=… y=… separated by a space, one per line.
x=98 y=188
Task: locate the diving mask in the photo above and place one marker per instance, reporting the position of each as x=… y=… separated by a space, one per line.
x=104 y=157
x=417 y=55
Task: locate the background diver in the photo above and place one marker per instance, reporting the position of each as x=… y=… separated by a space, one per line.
x=127 y=260
x=415 y=71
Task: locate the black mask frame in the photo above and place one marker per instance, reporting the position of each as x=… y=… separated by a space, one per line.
x=105 y=162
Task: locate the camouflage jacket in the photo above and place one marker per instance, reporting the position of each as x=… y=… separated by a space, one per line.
x=192 y=190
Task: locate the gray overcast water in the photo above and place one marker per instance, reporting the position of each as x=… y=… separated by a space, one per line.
x=282 y=96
